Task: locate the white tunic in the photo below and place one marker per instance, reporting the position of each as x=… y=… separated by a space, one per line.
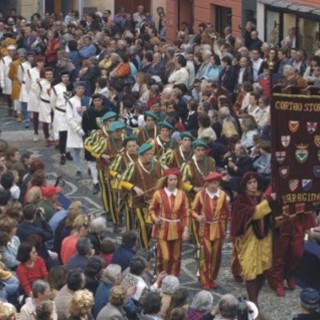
x=22 y=75
x=44 y=92
x=5 y=82
x=33 y=75
x=58 y=104
x=74 y=119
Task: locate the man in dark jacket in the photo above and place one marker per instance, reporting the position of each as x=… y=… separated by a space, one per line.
x=28 y=230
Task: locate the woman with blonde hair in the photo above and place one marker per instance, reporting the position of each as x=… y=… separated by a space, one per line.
x=170 y=216
x=80 y=305
x=114 y=308
x=7 y=311
x=33 y=195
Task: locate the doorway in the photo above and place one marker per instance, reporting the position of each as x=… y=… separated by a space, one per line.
x=131 y=6
x=54 y=6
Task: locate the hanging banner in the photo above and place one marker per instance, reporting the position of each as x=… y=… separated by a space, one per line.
x=295 y=140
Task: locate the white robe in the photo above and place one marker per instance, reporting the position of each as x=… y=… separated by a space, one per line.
x=33 y=75
x=5 y=82
x=22 y=75
x=58 y=104
x=44 y=92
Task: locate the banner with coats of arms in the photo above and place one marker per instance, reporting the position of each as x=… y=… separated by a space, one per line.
x=295 y=139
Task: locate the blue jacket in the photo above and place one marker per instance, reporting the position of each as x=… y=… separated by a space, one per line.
x=101 y=298
x=122 y=256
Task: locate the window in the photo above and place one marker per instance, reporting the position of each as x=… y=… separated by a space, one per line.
x=273 y=28
x=308 y=33
x=223 y=18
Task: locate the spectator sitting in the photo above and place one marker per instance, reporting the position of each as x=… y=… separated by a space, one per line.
x=107 y=250
x=169 y=285
x=28 y=228
x=151 y=305
x=75 y=281
x=9 y=243
x=126 y=250
x=111 y=276
x=49 y=203
x=178 y=300
x=93 y=273
x=79 y=229
x=11 y=285
x=45 y=310
x=84 y=252
x=80 y=305
x=201 y=304
x=31 y=267
x=40 y=293
x=96 y=232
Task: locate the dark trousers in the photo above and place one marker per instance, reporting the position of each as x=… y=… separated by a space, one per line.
x=63 y=141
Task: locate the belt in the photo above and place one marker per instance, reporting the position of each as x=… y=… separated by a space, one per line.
x=59 y=109
x=170 y=220
x=44 y=100
x=212 y=222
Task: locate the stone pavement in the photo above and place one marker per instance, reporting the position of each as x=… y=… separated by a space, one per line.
x=272 y=307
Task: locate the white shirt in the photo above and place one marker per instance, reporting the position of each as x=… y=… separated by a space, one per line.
x=169 y=193
x=213 y=194
x=256 y=64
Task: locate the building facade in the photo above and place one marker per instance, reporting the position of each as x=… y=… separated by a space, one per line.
x=297 y=21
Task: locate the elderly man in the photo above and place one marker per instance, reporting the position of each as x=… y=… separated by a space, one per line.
x=40 y=292
x=169 y=285
x=206 y=55
x=111 y=276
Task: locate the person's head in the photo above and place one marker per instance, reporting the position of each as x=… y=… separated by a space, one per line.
x=281 y=54
x=38 y=178
x=41 y=290
x=137 y=265
x=204 y=121
x=244 y=62
x=212 y=181
x=228 y=306
x=129 y=239
x=170 y=284
x=98 y=226
x=44 y=310
x=7 y=311
x=13 y=154
x=178 y=314
x=151 y=303
x=95 y=266
x=36 y=164
x=81 y=303
x=310 y=300
x=131 y=145
x=250 y=183
x=7 y=180
x=29 y=212
x=145 y=153
x=84 y=246
x=34 y=195
x=226 y=61
x=81 y=224
x=26 y=252
x=111 y=274
x=8 y=226
x=107 y=246
x=57 y=277
x=118 y=296
x=179 y=298
x=202 y=301
x=76 y=279
x=180 y=61
x=248 y=123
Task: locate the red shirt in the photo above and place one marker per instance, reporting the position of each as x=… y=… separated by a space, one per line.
x=68 y=248
x=28 y=275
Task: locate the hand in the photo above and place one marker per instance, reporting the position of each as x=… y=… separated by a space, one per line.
x=106 y=157
x=200 y=219
x=197 y=189
x=160 y=277
x=138 y=191
x=157 y=221
x=131 y=291
x=83 y=108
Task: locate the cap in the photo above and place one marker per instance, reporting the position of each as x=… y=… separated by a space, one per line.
x=109 y=115
x=116 y=125
x=165 y=124
x=151 y=114
x=200 y=144
x=186 y=134
x=21 y=50
x=49 y=191
x=173 y=171
x=144 y=148
x=129 y=138
x=213 y=175
x=79 y=84
x=310 y=296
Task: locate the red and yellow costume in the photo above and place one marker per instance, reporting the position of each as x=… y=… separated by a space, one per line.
x=172 y=209
x=211 y=232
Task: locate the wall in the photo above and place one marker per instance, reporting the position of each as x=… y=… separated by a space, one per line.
x=314 y=3
x=27 y=8
x=100 y=4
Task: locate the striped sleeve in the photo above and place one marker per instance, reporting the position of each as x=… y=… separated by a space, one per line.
x=166 y=159
x=116 y=164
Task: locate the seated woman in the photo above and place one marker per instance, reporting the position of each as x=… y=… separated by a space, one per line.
x=249 y=130
x=9 y=243
x=262 y=164
x=201 y=304
x=31 y=267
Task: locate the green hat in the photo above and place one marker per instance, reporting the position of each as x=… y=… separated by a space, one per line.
x=116 y=125
x=144 y=148
x=129 y=138
x=186 y=134
x=151 y=114
x=109 y=115
x=199 y=143
x=165 y=124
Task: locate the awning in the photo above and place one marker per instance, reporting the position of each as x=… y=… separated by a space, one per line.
x=298 y=7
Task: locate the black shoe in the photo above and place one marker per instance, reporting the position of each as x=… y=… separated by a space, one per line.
x=63 y=159
x=69 y=156
x=78 y=175
x=96 y=188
